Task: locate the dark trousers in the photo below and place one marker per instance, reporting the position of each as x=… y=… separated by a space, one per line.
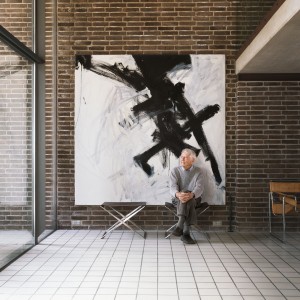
x=188 y=210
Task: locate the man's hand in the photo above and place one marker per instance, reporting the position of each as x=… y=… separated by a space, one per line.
x=184 y=196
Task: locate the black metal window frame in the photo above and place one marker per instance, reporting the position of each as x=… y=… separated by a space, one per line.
x=19 y=47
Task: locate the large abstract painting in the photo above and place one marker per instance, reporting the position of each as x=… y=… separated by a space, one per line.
x=133 y=116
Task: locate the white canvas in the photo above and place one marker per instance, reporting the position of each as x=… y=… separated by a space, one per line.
x=108 y=135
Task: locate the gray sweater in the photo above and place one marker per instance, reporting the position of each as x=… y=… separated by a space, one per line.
x=191 y=180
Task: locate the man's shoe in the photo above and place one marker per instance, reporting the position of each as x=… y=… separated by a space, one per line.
x=186 y=238
x=178 y=231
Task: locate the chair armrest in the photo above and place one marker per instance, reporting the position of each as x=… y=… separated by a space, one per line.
x=288 y=200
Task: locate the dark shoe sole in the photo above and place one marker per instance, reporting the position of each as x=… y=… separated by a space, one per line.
x=186 y=239
x=177 y=232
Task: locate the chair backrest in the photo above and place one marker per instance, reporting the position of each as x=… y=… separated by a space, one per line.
x=285 y=186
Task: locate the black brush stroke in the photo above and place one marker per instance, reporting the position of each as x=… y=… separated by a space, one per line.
x=117 y=72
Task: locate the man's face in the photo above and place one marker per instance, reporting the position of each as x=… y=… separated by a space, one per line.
x=186 y=160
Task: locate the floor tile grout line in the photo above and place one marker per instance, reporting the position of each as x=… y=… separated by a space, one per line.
x=243 y=250
x=75 y=247
x=107 y=238
x=218 y=289
x=47 y=259
x=171 y=243
x=250 y=243
x=94 y=258
x=26 y=254
x=274 y=265
x=106 y=241
x=141 y=266
x=241 y=267
x=124 y=264
x=185 y=247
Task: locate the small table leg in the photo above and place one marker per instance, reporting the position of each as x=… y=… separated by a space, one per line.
x=121 y=220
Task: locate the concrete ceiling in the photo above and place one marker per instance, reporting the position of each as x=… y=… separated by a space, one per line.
x=275 y=49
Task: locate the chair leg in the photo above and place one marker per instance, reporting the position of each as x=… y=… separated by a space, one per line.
x=283 y=222
x=170 y=207
x=270 y=213
x=200 y=210
x=277 y=235
x=169 y=231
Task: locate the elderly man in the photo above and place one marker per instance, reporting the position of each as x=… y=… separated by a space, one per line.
x=186 y=188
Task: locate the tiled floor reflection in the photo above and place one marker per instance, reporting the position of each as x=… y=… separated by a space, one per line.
x=13 y=243
x=80 y=265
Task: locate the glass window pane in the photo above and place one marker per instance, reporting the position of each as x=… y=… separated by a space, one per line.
x=15 y=154
x=16 y=17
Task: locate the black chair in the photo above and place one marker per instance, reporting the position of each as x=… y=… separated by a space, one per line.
x=171 y=206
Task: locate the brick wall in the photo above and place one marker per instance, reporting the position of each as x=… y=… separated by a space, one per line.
x=16 y=17
x=267 y=145
x=156 y=27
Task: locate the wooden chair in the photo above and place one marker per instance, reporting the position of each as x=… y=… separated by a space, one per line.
x=284 y=199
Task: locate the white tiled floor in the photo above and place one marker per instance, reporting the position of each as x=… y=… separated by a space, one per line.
x=12 y=243
x=80 y=265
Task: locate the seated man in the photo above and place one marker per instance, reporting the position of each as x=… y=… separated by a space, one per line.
x=186 y=187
